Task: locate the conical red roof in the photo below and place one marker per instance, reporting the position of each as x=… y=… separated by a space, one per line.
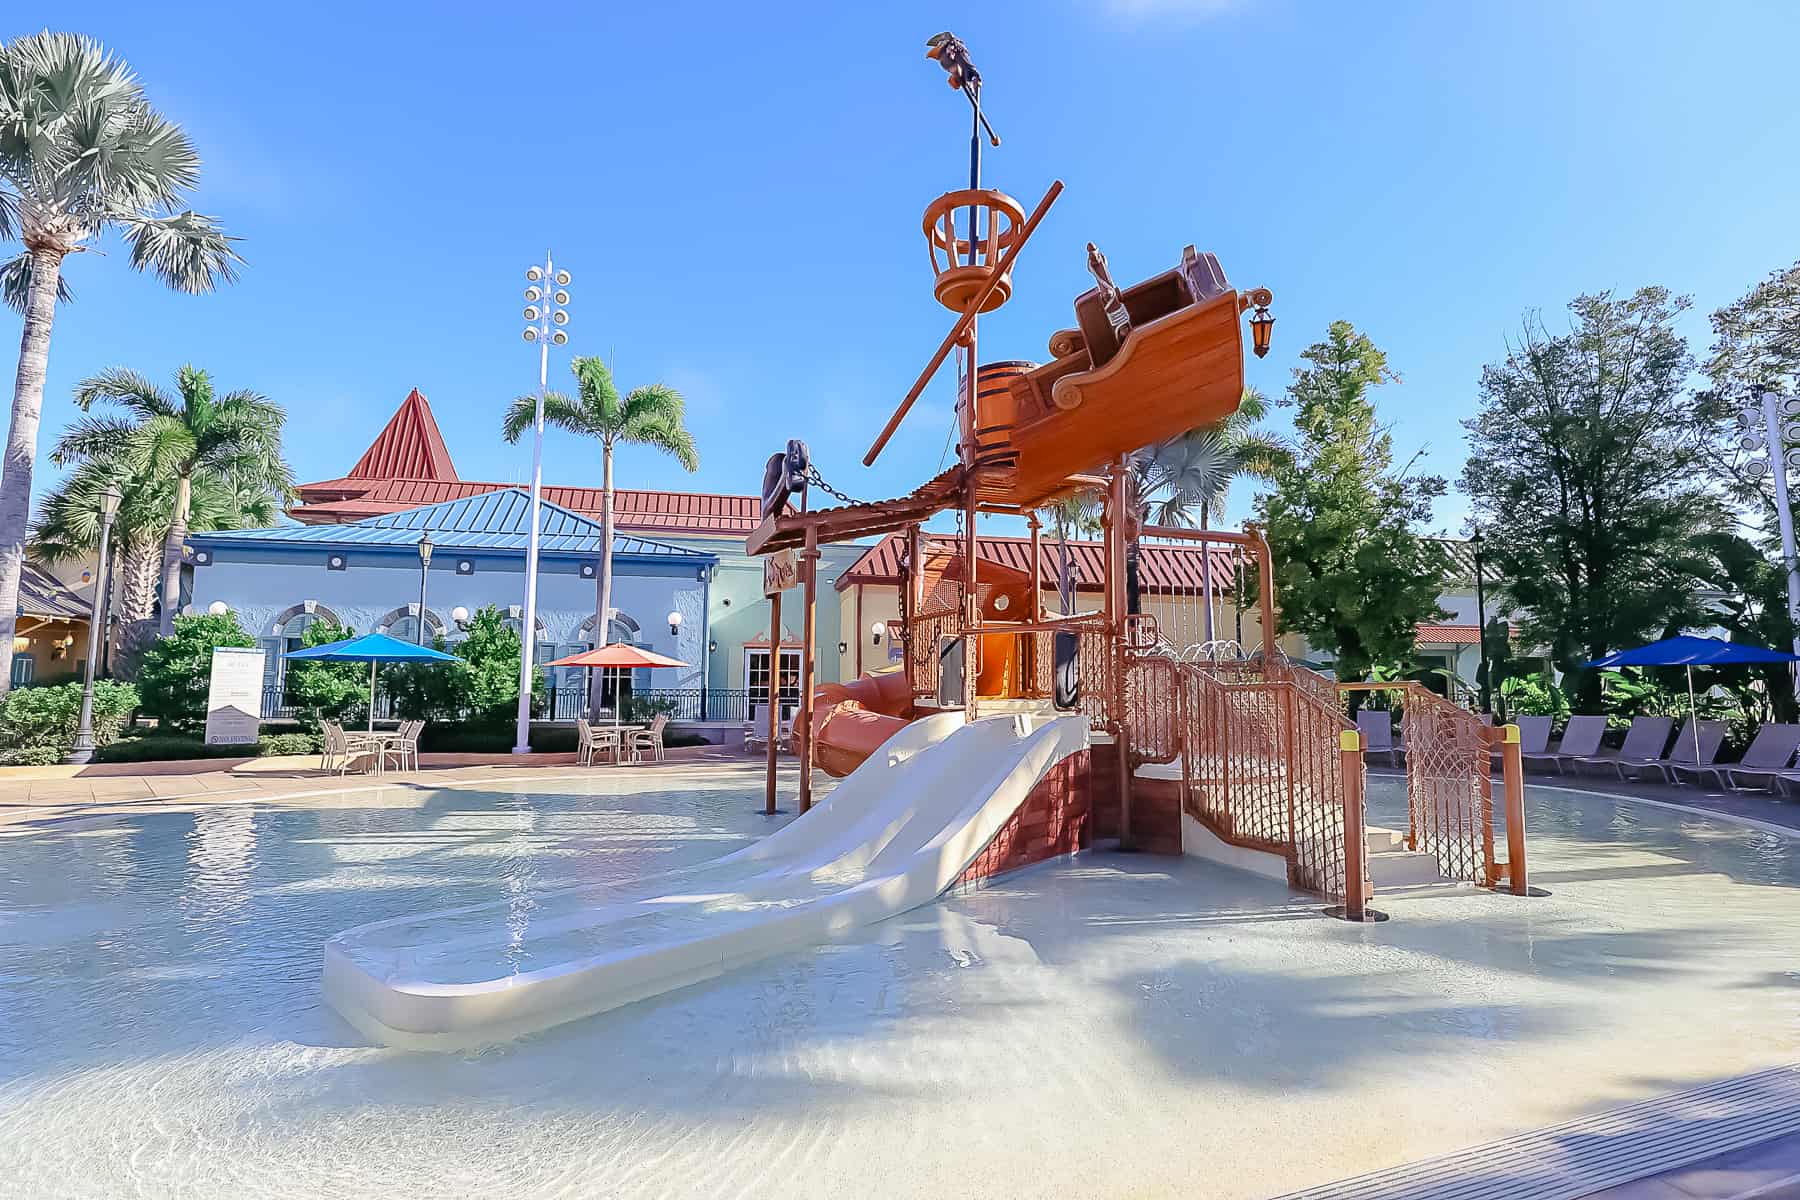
x=410 y=447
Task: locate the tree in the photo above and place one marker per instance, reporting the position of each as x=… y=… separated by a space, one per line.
x=82 y=153
x=1351 y=575
x=482 y=686
x=1749 y=601
x=176 y=672
x=232 y=442
x=1196 y=470
x=326 y=690
x=645 y=416
x=1585 y=464
x=68 y=524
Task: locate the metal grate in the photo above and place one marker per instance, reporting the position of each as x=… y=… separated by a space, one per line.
x=1581 y=1157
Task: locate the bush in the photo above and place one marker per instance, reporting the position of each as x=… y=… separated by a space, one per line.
x=175 y=672
x=272 y=744
x=47 y=717
x=31 y=756
x=484 y=737
x=163 y=748
x=322 y=689
x=644 y=709
x=480 y=689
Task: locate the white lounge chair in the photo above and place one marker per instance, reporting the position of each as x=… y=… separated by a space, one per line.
x=1581 y=740
x=1644 y=743
x=1690 y=750
x=1377 y=729
x=1770 y=751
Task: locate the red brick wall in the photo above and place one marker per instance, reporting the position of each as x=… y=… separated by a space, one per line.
x=1155 y=805
x=1055 y=819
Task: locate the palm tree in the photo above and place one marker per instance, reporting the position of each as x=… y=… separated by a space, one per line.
x=646 y=416
x=68 y=524
x=1187 y=479
x=231 y=441
x=81 y=152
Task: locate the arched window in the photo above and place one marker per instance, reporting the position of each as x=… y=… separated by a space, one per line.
x=620 y=629
x=402 y=624
x=288 y=633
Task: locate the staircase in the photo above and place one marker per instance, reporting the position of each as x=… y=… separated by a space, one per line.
x=1392 y=865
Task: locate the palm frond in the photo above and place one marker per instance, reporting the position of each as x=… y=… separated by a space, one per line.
x=16 y=277
x=594 y=384
x=653 y=417
x=129 y=390
x=187 y=251
x=95 y=438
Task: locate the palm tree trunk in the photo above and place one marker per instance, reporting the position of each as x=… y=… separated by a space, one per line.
x=1065 y=581
x=603 y=589
x=1206 y=572
x=21 y=444
x=138 y=572
x=172 y=554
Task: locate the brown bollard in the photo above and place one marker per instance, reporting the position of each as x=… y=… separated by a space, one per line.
x=1350 y=767
x=1512 y=774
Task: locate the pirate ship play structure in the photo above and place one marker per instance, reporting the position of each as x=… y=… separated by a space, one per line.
x=1012 y=733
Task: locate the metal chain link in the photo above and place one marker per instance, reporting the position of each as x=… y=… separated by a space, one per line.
x=814 y=479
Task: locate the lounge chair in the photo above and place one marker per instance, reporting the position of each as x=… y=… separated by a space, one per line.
x=1685 y=753
x=1644 y=743
x=1770 y=751
x=1534 y=739
x=640 y=741
x=1581 y=739
x=1377 y=729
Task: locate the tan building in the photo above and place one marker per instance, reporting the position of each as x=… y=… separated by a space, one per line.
x=50 y=639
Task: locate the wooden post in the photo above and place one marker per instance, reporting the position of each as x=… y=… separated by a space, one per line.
x=809 y=574
x=1350 y=768
x=1512 y=773
x=971 y=505
x=1117 y=524
x=1265 y=599
x=1037 y=563
x=774 y=701
x=859 y=629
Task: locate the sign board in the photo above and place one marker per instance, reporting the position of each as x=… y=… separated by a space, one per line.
x=781 y=571
x=234 y=696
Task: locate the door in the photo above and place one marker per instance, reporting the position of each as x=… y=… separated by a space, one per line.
x=756 y=681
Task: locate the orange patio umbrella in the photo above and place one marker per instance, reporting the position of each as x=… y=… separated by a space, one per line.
x=617 y=654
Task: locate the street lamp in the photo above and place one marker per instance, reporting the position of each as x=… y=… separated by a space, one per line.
x=1768 y=428
x=545 y=317
x=424 y=567
x=1487 y=694
x=83 y=749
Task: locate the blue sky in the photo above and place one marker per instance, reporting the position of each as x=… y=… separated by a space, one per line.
x=739 y=193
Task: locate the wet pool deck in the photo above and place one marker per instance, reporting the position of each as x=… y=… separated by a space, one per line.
x=1107 y=1025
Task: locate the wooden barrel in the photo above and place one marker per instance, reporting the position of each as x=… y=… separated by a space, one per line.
x=997 y=412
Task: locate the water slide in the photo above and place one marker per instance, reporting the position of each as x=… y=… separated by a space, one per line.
x=896 y=833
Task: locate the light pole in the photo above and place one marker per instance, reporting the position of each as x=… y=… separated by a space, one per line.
x=1768 y=427
x=83 y=749
x=544 y=318
x=424 y=567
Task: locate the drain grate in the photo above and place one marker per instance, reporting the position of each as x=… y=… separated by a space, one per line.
x=1579 y=1158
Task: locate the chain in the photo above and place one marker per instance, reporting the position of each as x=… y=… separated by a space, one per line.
x=814 y=479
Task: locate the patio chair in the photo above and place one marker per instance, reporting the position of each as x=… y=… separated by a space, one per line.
x=341 y=750
x=1644 y=743
x=1580 y=740
x=601 y=740
x=404 y=749
x=1770 y=751
x=1684 y=753
x=1534 y=739
x=638 y=741
x=1377 y=729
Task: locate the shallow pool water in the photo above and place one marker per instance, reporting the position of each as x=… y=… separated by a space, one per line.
x=1104 y=1026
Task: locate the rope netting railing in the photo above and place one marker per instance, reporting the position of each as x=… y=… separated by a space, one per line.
x=1449 y=788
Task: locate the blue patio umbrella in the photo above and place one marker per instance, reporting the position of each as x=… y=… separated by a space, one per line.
x=1691 y=652
x=371 y=648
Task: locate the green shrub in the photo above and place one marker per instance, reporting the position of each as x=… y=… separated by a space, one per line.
x=175 y=672
x=644 y=709
x=1534 y=695
x=47 y=717
x=31 y=756
x=166 y=747
x=325 y=689
x=272 y=744
x=480 y=689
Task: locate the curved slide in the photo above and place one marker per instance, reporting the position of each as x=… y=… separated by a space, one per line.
x=892 y=836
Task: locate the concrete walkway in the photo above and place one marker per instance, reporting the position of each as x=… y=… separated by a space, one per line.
x=34 y=794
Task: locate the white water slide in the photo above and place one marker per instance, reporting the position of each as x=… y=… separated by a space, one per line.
x=893 y=835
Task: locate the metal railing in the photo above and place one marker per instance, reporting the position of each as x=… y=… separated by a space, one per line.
x=553 y=704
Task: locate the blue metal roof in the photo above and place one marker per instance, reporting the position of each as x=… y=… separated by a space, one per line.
x=489 y=521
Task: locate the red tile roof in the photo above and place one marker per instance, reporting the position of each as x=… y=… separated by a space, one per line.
x=408 y=466
x=1452 y=635
x=1161 y=568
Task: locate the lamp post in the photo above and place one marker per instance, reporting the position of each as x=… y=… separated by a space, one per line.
x=424 y=567
x=83 y=749
x=1486 y=691
x=1768 y=427
x=544 y=318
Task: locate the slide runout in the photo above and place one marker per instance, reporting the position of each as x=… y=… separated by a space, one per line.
x=895 y=834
